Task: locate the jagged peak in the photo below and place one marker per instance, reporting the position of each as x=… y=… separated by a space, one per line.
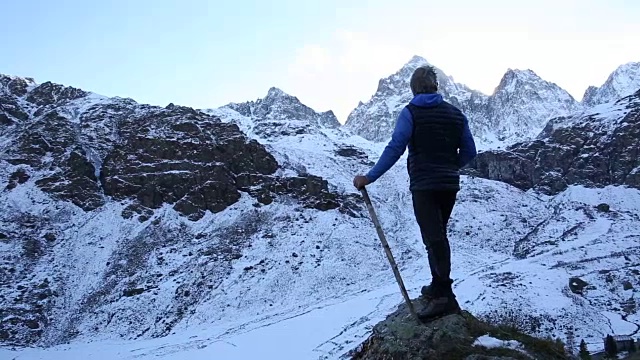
x=521 y=74
x=625 y=72
x=632 y=65
x=624 y=80
x=276 y=92
x=414 y=63
x=512 y=77
x=589 y=92
x=328 y=113
x=28 y=80
x=417 y=61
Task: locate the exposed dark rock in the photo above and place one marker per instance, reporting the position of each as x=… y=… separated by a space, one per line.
x=452 y=337
x=17 y=86
x=10 y=109
x=76 y=183
x=577 y=285
x=20 y=327
x=603 y=207
x=627 y=285
x=49 y=93
x=194 y=168
x=5 y=120
x=311 y=190
x=350 y=152
x=592 y=150
x=132 y=292
x=49 y=237
x=24 y=317
x=354 y=153
x=19 y=176
x=154 y=156
x=43 y=143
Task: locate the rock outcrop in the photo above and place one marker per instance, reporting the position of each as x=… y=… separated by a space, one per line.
x=453 y=337
x=593 y=148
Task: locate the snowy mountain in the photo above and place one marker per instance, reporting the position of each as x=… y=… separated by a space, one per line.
x=595 y=147
x=278 y=114
x=116 y=211
x=519 y=107
x=133 y=231
x=624 y=81
x=375 y=119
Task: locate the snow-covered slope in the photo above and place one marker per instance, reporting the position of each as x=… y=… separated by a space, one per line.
x=518 y=109
x=150 y=259
x=623 y=81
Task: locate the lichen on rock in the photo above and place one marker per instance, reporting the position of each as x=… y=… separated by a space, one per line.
x=452 y=337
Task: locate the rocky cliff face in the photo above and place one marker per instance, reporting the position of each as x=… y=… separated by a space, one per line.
x=624 y=81
x=279 y=114
x=594 y=148
x=68 y=157
x=519 y=107
x=375 y=119
x=522 y=104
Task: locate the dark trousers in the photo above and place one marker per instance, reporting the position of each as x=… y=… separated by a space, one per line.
x=433 y=209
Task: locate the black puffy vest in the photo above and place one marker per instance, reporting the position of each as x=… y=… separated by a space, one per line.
x=433 y=150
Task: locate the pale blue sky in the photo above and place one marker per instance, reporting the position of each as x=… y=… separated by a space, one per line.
x=329 y=53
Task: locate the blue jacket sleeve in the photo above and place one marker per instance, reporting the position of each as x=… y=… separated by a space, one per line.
x=467 y=146
x=396 y=147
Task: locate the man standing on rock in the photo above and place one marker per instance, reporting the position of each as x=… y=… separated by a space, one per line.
x=440 y=144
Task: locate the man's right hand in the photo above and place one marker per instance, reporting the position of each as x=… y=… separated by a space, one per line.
x=360 y=182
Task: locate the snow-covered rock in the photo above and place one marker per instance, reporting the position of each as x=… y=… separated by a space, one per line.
x=623 y=81
x=375 y=119
x=278 y=114
x=518 y=109
x=595 y=147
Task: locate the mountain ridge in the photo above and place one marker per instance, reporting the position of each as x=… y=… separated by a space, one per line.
x=507 y=115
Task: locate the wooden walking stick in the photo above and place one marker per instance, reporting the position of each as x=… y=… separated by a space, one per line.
x=387 y=250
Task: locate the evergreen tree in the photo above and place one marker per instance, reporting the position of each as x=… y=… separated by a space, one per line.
x=571 y=342
x=584 y=353
x=610 y=347
x=633 y=346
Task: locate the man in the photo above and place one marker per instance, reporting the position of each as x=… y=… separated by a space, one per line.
x=440 y=143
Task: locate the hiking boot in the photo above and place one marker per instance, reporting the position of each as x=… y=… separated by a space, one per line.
x=429 y=291
x=439 y=307
x=435 y=289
